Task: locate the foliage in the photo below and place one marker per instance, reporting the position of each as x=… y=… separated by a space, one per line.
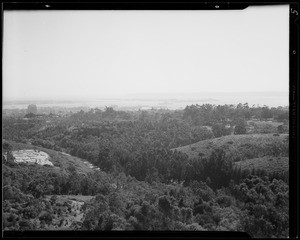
x=266 y=205
x=147 y=179
x=240 y=127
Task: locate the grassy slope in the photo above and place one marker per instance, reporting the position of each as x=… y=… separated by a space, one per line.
x=236 y=145
x=248 y=151
x=57 y=158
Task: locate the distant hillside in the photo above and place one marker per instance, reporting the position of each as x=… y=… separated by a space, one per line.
x=59 y=159
x=241 y=147
x=268 y=163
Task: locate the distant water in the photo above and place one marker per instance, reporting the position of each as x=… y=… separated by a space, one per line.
x=170 y=101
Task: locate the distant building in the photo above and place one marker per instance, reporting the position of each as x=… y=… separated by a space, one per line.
x=32 y=108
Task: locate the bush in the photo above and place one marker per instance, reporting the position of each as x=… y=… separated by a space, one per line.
x=219 y=130
x=224 y=201
x=240 y=129
x=45 y=216
x=164 y=205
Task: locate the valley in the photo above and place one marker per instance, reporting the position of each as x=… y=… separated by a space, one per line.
x=204 y=168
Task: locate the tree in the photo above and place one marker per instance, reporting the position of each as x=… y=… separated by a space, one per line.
x=283 y=116
x=104 y=160
x=282 y=129
x=220 y=130
x=201 y=133
x=266 y=205
x=7 y=150
x=218 y=169
x=240 y=127
x=30 y=115
x=32 y=108
x=191 y=113
x=266 y=113
x=6 y=147
x=164 y=205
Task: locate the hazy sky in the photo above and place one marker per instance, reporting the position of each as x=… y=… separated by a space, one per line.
x=63 y=54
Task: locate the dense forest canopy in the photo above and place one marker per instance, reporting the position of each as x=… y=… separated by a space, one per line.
x=158 y=186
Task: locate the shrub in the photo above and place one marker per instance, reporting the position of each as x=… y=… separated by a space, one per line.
x=164 y=205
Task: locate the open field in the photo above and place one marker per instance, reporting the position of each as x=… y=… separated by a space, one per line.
x=32 y=156
x=240 y=147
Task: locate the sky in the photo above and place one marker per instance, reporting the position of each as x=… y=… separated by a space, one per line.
x=79 y=54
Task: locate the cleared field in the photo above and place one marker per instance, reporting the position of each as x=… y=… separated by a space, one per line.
x=31 y=156
x=241 y=147
x=57 y=158
x=268 y=163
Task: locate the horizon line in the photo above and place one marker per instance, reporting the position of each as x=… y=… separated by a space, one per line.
x=126 y=95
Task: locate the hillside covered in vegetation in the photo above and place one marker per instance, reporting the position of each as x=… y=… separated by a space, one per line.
x=204 y=168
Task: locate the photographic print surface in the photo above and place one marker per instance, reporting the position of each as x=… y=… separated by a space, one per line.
x=146 y=120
